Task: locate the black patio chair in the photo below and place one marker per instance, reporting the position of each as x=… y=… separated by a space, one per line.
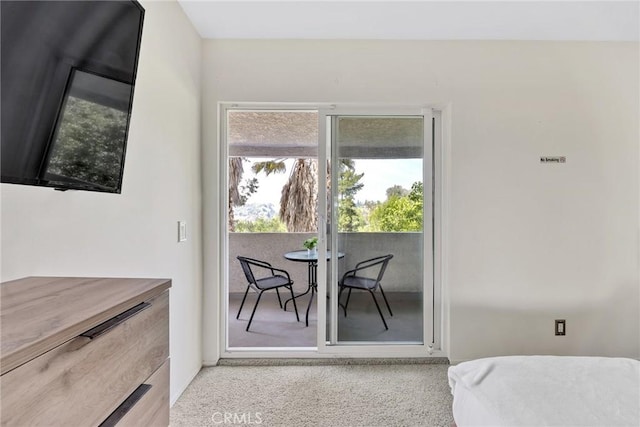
x=272 y=280
x=357 y=279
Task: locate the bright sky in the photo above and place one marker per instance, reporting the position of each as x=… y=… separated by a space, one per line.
x=379 y=175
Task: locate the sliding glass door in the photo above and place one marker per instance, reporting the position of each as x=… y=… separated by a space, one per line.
x=361 y=184
x=378 y=214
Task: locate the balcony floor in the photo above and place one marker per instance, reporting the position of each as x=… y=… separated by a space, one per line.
x=273 y=327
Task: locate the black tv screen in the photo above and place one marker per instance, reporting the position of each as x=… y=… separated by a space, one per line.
x=68 y=75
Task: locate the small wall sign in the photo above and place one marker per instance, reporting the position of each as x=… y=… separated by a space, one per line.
x=182 y=231
x=553 y=159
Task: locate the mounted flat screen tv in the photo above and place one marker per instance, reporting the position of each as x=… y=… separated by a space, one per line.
x=68 y=75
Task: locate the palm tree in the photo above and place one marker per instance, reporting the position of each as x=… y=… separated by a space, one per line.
x=299 y=197
x=269 y=166
x=235 y=177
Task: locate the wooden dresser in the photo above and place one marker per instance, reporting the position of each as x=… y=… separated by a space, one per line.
x=84 y=352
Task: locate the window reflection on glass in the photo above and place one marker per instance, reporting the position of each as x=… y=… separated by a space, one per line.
x=89 y=142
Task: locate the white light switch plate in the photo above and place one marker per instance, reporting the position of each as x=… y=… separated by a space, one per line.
x=182 y=231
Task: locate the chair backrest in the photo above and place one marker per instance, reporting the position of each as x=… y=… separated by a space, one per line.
x=382 y=261
x=246 y=268
x=385 y=262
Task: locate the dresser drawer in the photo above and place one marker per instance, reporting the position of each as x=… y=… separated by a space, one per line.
x=147 y=406
x=85 y=379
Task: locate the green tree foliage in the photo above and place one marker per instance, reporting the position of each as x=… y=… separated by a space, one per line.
x=239 y=191
x=417 y=194
x=349 y=215
x=261 y=225
x=247 y=188
x=366 y=209
x=399 y=213
x=396 y=190
x=89 y=143
x=270 y=166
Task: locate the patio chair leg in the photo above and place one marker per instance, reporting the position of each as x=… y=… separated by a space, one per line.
x=344 y=307
x=279 y=300
x=313 y=291
x=295 y=308
x=254 y=310
x=379 y=311
x=385 y=300
x=242 y=304
x=347 y=303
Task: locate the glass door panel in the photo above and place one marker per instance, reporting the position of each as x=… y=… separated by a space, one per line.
x=272 y=177
x=377 y=217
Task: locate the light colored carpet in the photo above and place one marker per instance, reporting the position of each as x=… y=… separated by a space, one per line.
x=351 y=395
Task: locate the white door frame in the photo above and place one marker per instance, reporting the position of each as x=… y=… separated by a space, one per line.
x=435 y=267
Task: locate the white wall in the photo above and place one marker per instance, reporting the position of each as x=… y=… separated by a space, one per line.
x=134 y=234
x=529 y=243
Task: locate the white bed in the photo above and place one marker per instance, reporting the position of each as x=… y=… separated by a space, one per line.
x=546 y=391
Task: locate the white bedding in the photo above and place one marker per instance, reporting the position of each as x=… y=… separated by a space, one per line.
x=546 y=391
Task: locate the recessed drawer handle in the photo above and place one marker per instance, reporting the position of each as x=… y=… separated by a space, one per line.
x=126 y=406
x=114 y=321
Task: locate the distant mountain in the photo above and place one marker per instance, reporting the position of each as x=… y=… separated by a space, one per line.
x=253 y=211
